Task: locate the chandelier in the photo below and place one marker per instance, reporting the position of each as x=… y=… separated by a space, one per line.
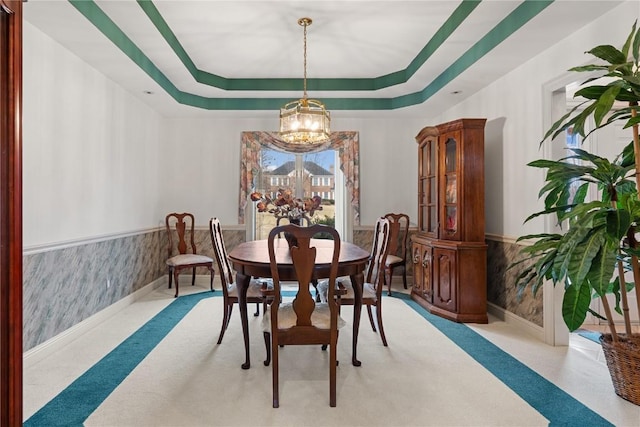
x=304 y=123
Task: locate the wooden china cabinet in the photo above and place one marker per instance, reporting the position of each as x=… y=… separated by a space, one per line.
x=449 y=252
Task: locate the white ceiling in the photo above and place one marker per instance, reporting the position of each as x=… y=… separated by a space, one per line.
x=348 y=39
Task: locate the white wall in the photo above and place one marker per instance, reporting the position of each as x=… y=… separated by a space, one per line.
x=513 y=106
x=91 y=150
x=388 y=165
x=202 y=157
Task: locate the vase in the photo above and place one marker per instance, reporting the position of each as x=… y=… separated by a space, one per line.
x=295 y=221
x=291 y=240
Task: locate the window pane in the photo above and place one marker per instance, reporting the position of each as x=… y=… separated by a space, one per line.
x=573 y=140
x=274 y=175
x=321 y=168
x=304 y=175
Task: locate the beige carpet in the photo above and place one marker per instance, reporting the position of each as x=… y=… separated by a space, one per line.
x=422 y=379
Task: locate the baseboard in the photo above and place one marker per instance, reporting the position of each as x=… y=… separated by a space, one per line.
x=516 y=321
x=52 y=345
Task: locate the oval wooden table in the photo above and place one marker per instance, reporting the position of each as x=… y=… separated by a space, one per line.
x=251 y=259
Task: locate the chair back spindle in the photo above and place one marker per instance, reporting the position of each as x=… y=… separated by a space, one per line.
x=379 y=251
x=181 y=222
x=217 y=239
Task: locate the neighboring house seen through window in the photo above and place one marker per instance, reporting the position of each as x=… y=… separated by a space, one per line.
x=332 y=174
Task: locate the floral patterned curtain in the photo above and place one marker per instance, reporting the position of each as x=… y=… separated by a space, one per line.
x=346 y=143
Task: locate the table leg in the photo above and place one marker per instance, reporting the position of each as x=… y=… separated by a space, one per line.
x=357 y=281
x=242 y=282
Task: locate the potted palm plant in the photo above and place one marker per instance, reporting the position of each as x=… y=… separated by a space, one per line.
x=598 y=241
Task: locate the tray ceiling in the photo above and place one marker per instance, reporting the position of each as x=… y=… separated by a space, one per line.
x=364 y=58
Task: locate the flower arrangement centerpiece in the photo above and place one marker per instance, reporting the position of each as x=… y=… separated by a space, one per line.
x=285 y=205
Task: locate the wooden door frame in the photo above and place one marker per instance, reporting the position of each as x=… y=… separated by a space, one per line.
x=10 y=212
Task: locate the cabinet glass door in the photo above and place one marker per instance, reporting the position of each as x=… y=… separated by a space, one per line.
x=450 y=211
x=428 y=220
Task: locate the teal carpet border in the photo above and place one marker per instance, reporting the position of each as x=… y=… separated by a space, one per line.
x=80 y=399
x=545 y=397
x=83 y=396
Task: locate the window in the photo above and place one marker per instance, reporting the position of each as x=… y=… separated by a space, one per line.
x=305 y=175
x=573 y=140
x=342 y=181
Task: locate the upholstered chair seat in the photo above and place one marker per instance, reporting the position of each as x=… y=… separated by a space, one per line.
x=346 y=291
x=393 y=259
x=320 y=318
x=188 y=259
x=254 y=291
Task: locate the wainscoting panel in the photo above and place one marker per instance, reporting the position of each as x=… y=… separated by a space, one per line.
x=64 y=286
x=68 y=283
x=501 y=289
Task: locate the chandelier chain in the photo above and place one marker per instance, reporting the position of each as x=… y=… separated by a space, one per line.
x=305 y=23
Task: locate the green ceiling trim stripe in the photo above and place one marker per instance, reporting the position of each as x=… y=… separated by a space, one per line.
x=522 y=14
x=461 y=13
x=515 y=20
x=100 y=19
x=457 y=17
x=346 y=104
x=161 y=25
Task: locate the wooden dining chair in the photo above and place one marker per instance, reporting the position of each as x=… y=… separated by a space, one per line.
x=303 y=321
x=256 y=290
x=179 y=257
x=374 y=279
x=397 y=257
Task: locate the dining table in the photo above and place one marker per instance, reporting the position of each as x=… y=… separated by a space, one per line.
x=251 y=259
